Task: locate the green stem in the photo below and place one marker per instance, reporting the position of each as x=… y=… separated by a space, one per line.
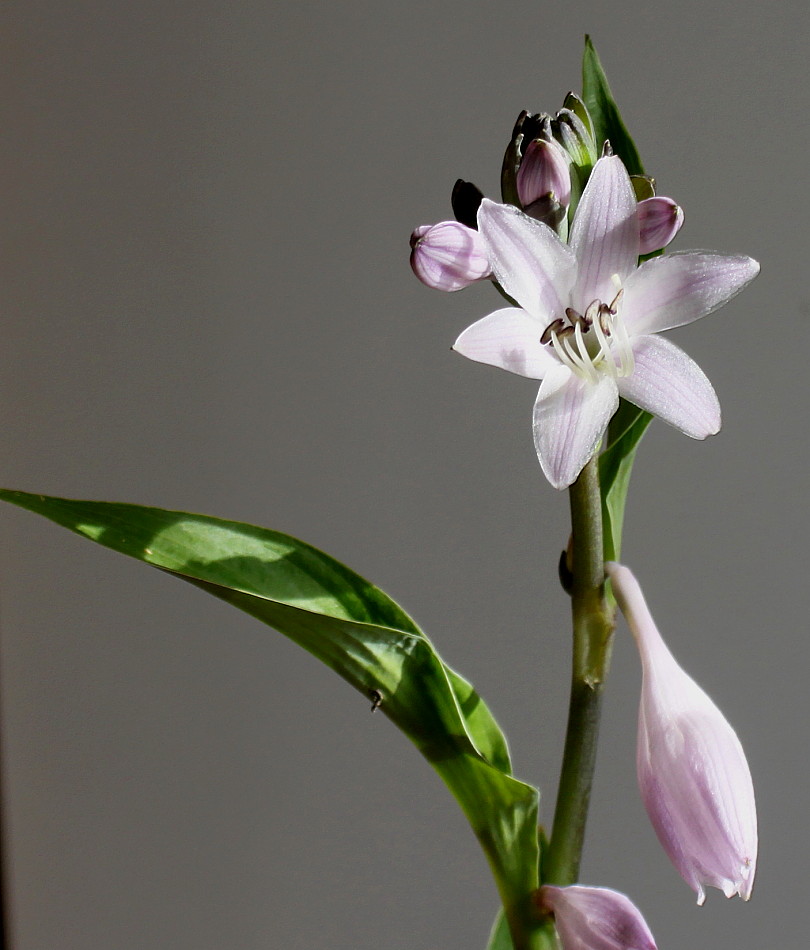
x=593 y=628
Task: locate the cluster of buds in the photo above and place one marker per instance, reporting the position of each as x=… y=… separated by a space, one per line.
x=547 y=162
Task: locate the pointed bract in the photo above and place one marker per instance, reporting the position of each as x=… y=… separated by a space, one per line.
x=595 y=918
x=692 y=771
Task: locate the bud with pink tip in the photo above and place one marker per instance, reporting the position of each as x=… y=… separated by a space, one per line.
x=659 y=220
x=544 y=181
x=595 y=918
x=448 y=255
x=692 y=770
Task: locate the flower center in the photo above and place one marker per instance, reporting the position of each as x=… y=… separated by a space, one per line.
x=593 y=342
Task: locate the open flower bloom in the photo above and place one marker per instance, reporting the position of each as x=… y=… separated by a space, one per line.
x=595 y=918
x=587 y=315
x=692 y=771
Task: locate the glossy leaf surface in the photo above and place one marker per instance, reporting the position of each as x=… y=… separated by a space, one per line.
x=615 y=466
x=499 y=938
x=608 y=124
x=358 y=631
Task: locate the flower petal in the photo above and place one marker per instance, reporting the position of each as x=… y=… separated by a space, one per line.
x=669 y=384
x=676 y=289
x=605 y=233
x=528 y=260
x=570 y=416
x=509 y=339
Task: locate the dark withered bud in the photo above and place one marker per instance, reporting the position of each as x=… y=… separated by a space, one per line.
x=466 y=199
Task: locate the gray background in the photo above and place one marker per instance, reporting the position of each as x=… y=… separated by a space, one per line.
x=207 y=306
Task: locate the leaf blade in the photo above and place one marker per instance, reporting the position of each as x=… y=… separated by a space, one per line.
x=607 y=120
x=360 y=633
x=615 y=467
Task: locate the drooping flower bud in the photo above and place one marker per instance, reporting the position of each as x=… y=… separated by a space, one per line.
x=544 y=182
x=692 y=771
x=659 y=220
x=448 y=255
x=595 y=918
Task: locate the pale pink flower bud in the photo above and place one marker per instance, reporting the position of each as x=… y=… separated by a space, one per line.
x=659 y=221
x=544 y=176
x=692 y=771
x=595 y=918
x=448 y=255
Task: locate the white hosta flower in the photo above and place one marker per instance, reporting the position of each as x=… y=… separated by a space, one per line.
x=587 y=315
x=692 y=771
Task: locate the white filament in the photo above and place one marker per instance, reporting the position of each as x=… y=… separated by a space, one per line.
x=573 y=351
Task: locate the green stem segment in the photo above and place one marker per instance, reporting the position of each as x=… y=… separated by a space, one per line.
x=593 y=623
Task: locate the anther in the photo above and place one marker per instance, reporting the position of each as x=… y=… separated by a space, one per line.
x=554 y=327
x=614 y=304
x=572 y=315
x=593 y=309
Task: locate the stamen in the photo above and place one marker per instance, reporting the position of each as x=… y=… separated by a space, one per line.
x=592 y=311
x=604 y=347
x=565 y=359
x=626 y=356
x=615 y=353
x=605 y=313
x=585 y=356
x=568 y=357
x=554 y=327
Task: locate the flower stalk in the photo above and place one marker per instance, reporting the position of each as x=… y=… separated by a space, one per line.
x=593 y=623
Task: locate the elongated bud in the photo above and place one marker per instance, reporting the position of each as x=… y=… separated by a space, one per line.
x=595 y=918
x=544 y=182
x=448 y=255
x=692 y=771
x=659 y=221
